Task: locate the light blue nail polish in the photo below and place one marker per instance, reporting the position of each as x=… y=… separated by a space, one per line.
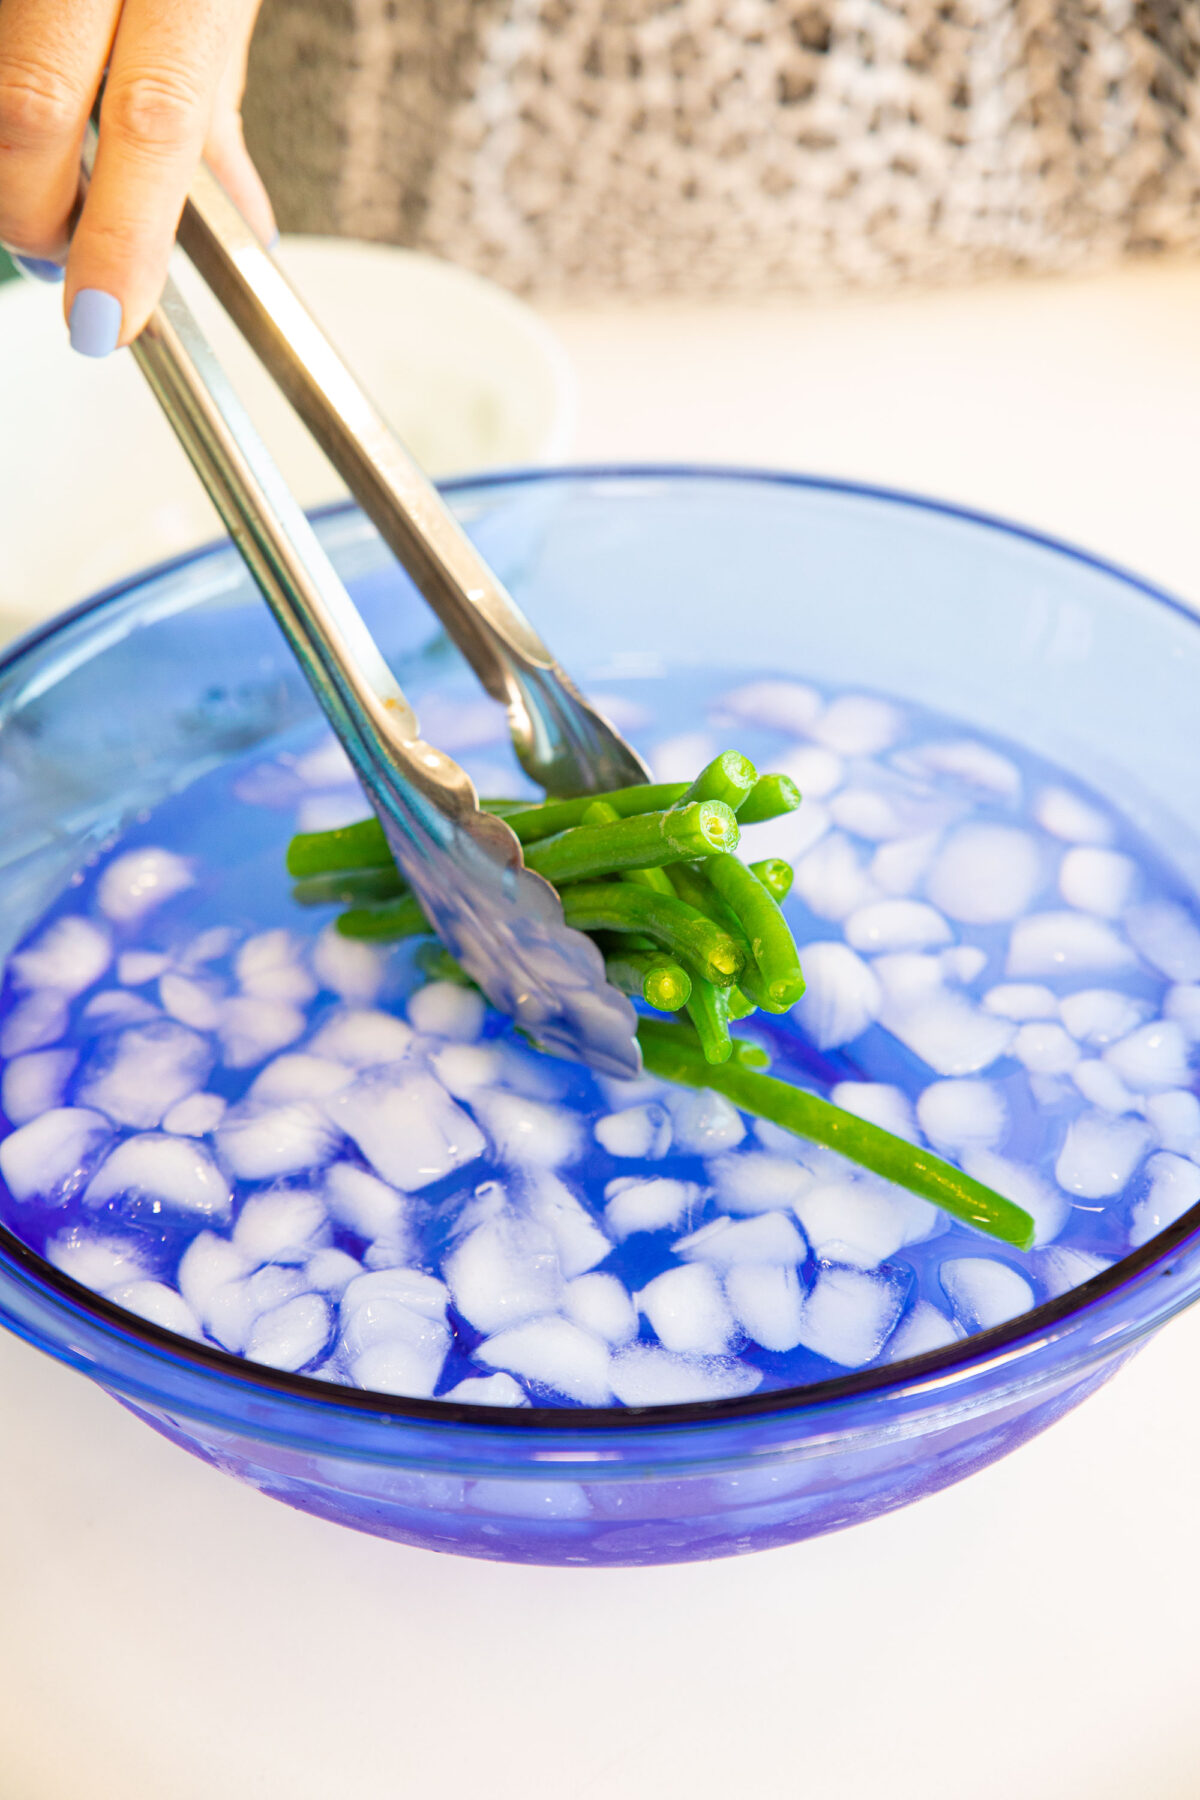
x=38 y=268
x=95 y=323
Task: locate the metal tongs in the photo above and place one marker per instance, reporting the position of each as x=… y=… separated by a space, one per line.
x=504 y=923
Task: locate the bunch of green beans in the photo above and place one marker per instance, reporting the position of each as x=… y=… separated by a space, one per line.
x=651 y=873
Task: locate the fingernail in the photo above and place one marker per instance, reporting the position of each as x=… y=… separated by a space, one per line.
x=38 y=268
x=95 y=323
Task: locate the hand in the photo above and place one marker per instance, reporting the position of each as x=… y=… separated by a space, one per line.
x=176 y=70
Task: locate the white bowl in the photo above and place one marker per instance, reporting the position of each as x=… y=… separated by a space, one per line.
x=94 y=485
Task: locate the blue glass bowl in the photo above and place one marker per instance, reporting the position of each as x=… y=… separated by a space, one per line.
x=136 y=693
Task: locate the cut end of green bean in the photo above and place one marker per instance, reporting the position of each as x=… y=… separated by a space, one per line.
x=776 y=876
x=648 y=975
x=728 y=777
x=770 y=796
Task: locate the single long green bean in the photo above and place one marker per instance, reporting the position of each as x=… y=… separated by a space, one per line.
x=672 y=1052
x=651 y=976
x=393 y=919
x=772 y=945
x=676 y=928
x=770 y=796
x=358 y=846
x=648 y=840
x=728 y=777
x=351 y=887
x=776 y=876
x=710 y=1020
x=536 y=822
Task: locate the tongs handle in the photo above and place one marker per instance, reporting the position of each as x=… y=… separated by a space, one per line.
x=561 y=741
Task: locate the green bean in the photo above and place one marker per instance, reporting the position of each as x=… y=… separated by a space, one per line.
x=434 y=960
x=728 y=777
x=738 y=1003
x=394 y=919
x=776 y=959
x=676 y=928
x=648 y=840
x=751 y=1056
x=656 y=879
x=770 y=796
x=710 y=1020
x=650 y=976
x=674 y=1054
x=350 y=888
x=559 y=815
x=358 y=846
x=776 y=876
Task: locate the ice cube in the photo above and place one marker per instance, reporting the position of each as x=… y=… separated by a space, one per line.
x=445 y=1009
x=906 y=978
x=924 y=1329
x=843 y=995
x=98 y=1263
x=1062 y=1268
x=136 y=967
x=326 y=765
x=602 y=1305
x=896 y=925
x=956 y=1114
x=408 y=1366
x=208 y=1264
x=985 y=874
x=407 y=1126
x=35 y=1082
x=861 y=1222
x=1100 y=1015
x=292 y=1335
x=578 y=1239
x=778 y=705
x=791 y=836
x=1174 y=1188
x=422 y=1294
x=878 y=1103
x=678 y=758
x=270 y=966
x=1152 y=1058
x=37 y=1020
x=1174 y=1116
x=1046 y=1206
x=1100 y=1154
x=656 y=1205
x=754 y=1181
x=968 y=761
x=173 y=1172
x=261 y=1143
x=135 y=883
x=253 y=1029
x=529 y=1133
x=503 y=1272
x=870 y=812
x=196 y=1003
x=831 y=879
x=858 y=725
x=984 y=1291
x=688 y=1311
x=704 y=1123
x=849 y=1315
x=1097 y=881
x=767 y=1302
x=160 y=1304
x=394 y=1331
x=362 y=1037
x=896 y=868
x=1182 y=1004
x=556 y=1354
x=639 y=1131
x=963 y=963
x=364 y=1205
x=1045 y=1048
x=769 y=1237
x=488 y=1390
x=1167 y=937
x=196 y=1116
x=1103 y=1087
x=283 y=1226
x=946 y=1031
x=817 y=772
x=1064 y=815
x=112 y=1008
x=644 y=1375
x=329 y=811
x=331 y=1271
x=1021 y=1001
x=206 y=947
x=298 y=1076
x=349 y=967
x=68 y=956
x=463 y=1069
x=1065 y=943
x=51 y=1157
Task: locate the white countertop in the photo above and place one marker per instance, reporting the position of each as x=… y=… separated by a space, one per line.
x=168 y=1635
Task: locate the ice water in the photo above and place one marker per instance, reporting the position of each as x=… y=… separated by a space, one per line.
x=253 y=1132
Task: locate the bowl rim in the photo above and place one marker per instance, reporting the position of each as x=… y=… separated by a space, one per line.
x=1001 y=1344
